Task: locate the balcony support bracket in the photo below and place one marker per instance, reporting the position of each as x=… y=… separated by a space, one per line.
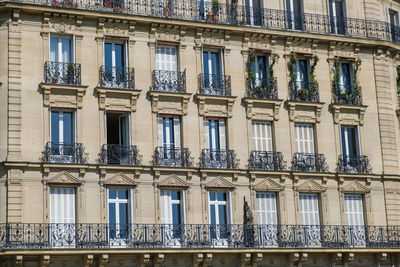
x=348 y=114
x=57 y=95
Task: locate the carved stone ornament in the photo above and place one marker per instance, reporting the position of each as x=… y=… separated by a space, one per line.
x=62 y=96
x=173 y=181
x=120 y=179
x=348 y=114
x=62 y=23
x=262 y=109
x=168 y=32
x=268 y=185
x=220 y=182
x=64 y=178
x=169 y=103
x=310 y=186
x=258 y=41
x=300 y=45
x=307 y=112
x=117 y=99
x=343 y=49
x=115 y=27
x=355 y=187
x=216 y=106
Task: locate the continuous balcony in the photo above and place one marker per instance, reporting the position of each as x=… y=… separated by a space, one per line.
x=64 y=153
x=172 y=157
x=353 y=164
x=169 y=81
x=62 y=73
x=213 y=84
x=15 y=236
x=120 y=155
x=117 y=77
x=308 y=94
x=266 y=161
x=350 y=95
x=306 y=162
x=262 y=88
x=218 y=159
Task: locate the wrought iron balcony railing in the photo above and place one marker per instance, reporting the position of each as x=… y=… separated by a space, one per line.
x=117 y=77
x=306 y=162
x=353 y=164
x=64 y=153
x=169 y=81
x=151 y=236
x=172 y=157
x=233 y=14
x=219 y=159
x=120 y=154
x=350 y=94
x=62 y=73
x=308 y=94
x=263 y=160
x=212 y=84
x=262 y=88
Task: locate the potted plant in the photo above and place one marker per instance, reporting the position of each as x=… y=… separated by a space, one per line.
x=215 y=10
x=70 y=73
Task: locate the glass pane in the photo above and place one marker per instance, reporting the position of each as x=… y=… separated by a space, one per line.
x=53 y=49
x=111 y=213
x=55 y=135
x=108 y=54
x=176 y=213
x=123 y=194
x=205 y=63
x=175 y=195
x=66 y=50
x=123 y=213
x=119 y=55
x=221 y=196
x=212 y=196
x=215 y=64
x=112 y=194
x=68 y=128
x=346 y=76
x=212 y=214
x=261 y=67
x=222 y=214
x=303 y=73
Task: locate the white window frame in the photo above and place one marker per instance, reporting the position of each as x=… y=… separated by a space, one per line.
x=228 y=204
x=263 y=136
x=221 y=137
x=305 y=143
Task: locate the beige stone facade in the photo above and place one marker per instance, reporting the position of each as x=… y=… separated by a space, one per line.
x=32 y=171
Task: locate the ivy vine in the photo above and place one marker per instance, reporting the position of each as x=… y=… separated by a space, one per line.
x=274 y=60
x=291 y=67
x=314 y=62
x=398 y=81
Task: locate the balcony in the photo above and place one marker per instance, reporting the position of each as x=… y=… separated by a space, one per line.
x=117 y=77
x=353 y=164
x=35 y=236
x=62 y=73
x=212 y=84
x=64 y=153
x=169 y=81
x=120 y=155
x=348 y=95
x=306 y=162
x=268 y=161
x=262 y=88
x=308 y=94
x=218 y=159
x=172 y=157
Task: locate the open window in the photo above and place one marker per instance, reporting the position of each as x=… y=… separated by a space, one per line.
x=118 y=138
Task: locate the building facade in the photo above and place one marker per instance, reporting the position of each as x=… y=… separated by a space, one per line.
x=199 y=133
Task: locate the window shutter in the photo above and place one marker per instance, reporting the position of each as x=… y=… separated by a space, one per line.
x=266 y=208
x=354 y=209
x=160 y=58
x=160 y=132
x=305 y=138
x=256 y=138
x=183 y=207
x=309 y=209
x=310 y=138
x=62 y=205
x=222 y=137
x=177 y=132
x=206 y=134
x=229 y=218
x=166 y=211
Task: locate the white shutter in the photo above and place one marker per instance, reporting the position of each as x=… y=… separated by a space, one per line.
x=166 y=58
x=309 y=209
x=354 y=209
x=166 y=211
x=222 y=137
x=266 y=208
x=262 y=136
x=183 y=207
x=62 y=205
x=229 y=218
x=305 y=138
x=177 y=132
x=160 y=131
x=206 y=134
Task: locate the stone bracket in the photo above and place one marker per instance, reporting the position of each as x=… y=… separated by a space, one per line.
x=309 y=112
x=169 y=103
x=57 y=95
x=348 y=114
x=262 y=109
x=218 y=106
x=117 y=99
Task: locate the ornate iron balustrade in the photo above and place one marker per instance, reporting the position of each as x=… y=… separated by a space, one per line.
x=219 y=159
x=212 y=84
x=262 y=88
x=233 y=14
x=62 y=73
x=117 y=77
x=306 y=162
x=172 y=157
x=350 y=95
x=309 y=94
x=99 y=236
x=120 y=154
x=64 y=153
x=263 y=160
x=353 y=164
x=169 y=81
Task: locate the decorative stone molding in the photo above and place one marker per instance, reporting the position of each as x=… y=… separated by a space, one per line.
x=217 y=106
x=115 y=27
x=355 y=187
x=207 y=259
x=173 y=181
x=300 y=45
x=117 y=99
x=65 y=96
x=220 y=183
x=213 y=37
x=167 y=32
x=256 y=258
x=64 y=178
x=120 y=179
x=268 y=185
x=259 y=41
x=310 y=186
x=343 y=49
x=245 y=259
x=103 y=260
x=169 y=103
x=62 y=23
x=158 y=260
x=262 y=109
x=348 y=114
x=19 y=260
x=88 y=260
x=307 y=112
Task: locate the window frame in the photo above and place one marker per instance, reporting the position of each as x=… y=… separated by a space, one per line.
x=124 y=43
x=72 y=42
x=61 y=122
x=269 y=140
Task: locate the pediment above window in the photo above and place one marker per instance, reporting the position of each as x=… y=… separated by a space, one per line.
x=268 y=185
x=310 y=186
x=173 y=181
x=355 y=187
x=221 y=183
x=120 y=179
x=64 y=178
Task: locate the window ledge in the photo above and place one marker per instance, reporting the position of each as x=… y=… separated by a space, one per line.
x=169 y=102
x=348 y=114
x=215 y=105
x=262 y=109
x=117 y=99
x=63 y=95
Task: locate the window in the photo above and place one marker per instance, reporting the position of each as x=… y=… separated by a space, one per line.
x=267 y=212
x=350 y=146
x=117 y=129
x=354 y=210
x=169 y=132
x=259 y=68
x=172 y=212
x=309 y=209
x=62 y=133
x=213 y=71
x=254 y=12
x=115 y=61
x=302 y=68
x=60 y=69
x=393 y=18
x=62 y=205
x=262 y=136
x=119 y=212
x=294 y=10
x=61 y=49
x=305 y=138
x=337 y=12
x=346 y=74
x=166 y=58
x=214 y=133
x=220 y=215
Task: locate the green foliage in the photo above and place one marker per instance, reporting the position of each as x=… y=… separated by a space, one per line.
x=336 y=77
x=70 y=73
x=398 y=81
x=249 y=66
x=215 y=6
x=291 y=67
x=274 y=60
x=314 y=62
